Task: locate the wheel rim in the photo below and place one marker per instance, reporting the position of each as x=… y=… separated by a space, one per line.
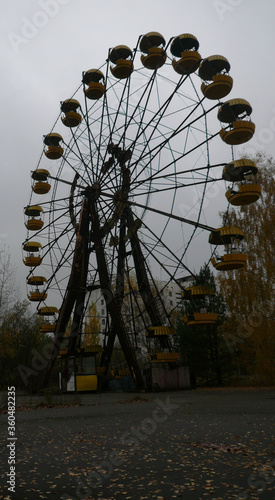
x=138 y=149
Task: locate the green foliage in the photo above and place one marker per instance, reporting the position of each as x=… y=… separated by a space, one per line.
x=21 y=343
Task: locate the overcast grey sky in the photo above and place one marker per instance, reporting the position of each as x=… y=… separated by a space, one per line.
x=46 y=44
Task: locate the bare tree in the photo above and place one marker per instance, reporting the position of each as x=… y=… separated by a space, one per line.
x=8 y=287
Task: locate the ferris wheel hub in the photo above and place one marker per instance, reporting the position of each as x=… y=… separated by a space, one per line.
x=93 y=192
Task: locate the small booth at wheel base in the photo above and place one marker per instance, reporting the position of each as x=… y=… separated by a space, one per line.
x=78 y=372
x=160 y=378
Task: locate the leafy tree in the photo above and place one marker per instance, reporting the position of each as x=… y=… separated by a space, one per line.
x=92 y=327
x=250 y=328
x=21 y=342
x=21 y=346
x=202 y=347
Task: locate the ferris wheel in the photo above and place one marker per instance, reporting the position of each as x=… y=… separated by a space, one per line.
x=119 y=198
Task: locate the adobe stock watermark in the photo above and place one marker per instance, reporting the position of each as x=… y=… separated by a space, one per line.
x=132 y=438
x=260 y=480
x=222 y=7
x=30 y=27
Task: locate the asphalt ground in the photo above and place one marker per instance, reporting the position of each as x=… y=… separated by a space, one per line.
x=198 y=444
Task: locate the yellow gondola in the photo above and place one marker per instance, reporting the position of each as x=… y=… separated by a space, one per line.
x=154 y=55
x=236 y=113
x=32 y=248
x=163 y=357
x=184 y=47
x=215 y=69
x=247 y=190
x=155 y=336
x=71 y=116
x=34 y=222
x=121 y=56
x=36 y=294
x=197 y=292
x=155 y=331
x=246 y=194
x=225 y=235
x=48 y=322
x=239 y=170
x=229 y=261
x=95 y=81
x=53 y=151
x=41 y=184
x=200 y=318
x=233 y=258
